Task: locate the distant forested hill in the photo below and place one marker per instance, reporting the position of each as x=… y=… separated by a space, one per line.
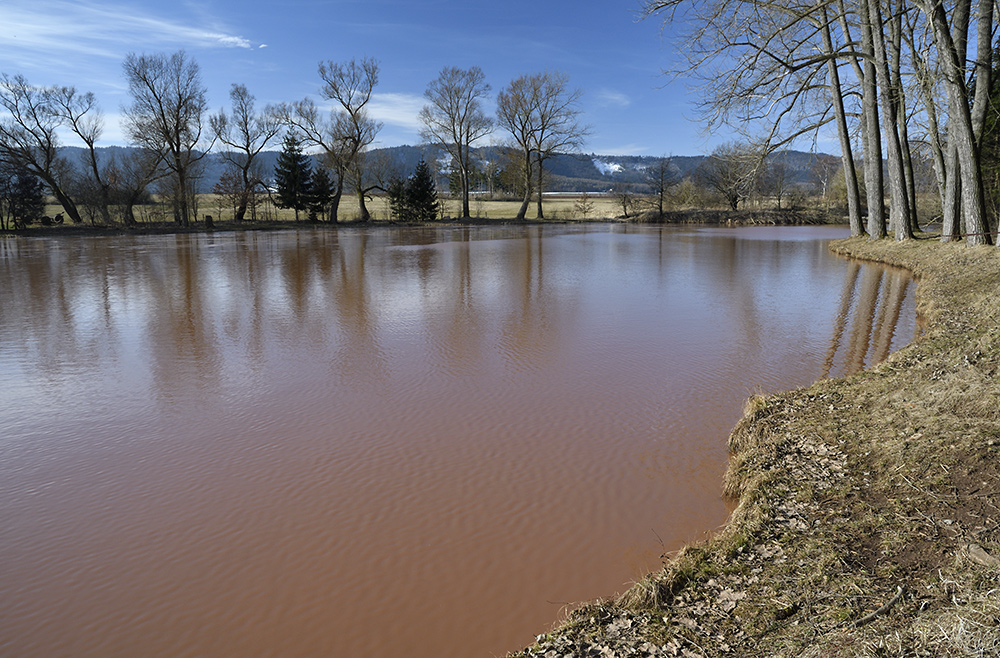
x=567 y=173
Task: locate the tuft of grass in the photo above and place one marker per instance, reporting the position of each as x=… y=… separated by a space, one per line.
x=650 y=593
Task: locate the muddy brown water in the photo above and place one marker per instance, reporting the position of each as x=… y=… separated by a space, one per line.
x=385 y=442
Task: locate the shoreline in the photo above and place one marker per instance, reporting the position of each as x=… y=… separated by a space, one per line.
x=671 y=218
x=868 y=520
x=86 y=230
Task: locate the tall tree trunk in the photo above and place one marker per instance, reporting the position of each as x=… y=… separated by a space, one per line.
x=981 y=101
x=846 y=152
x=105 y=199
x=466 y=213
x=960 y=116
x=128 y=213
x=180 y=195
x=895 y=54
x=873 y=137
x=464 y=165
x=984 y=68
x=910 y=182
x=523 y=210
x=951 y=205
x=65 y=201
x=244 y=198
x=365 y=216
x=541 y=172
x=900 y=207
x=937 y=152
x=335 y=203
x=933 y=125
x=338 y=194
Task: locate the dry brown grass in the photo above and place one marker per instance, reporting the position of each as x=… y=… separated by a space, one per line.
x=557 y=208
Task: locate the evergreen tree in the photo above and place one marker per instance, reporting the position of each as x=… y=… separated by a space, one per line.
x=322 y=194
x=22 y=197
x=293 y=176
x=395 y=192
x=415 y=199
x=421 y=194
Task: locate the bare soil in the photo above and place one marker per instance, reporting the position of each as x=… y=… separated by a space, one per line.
x=868 y=521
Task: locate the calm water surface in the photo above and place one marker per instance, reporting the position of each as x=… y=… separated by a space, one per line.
x=387 y=442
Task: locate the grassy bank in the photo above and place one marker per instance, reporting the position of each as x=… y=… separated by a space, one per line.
x=869 y=507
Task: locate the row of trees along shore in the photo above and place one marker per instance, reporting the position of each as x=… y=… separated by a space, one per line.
x=894 y=75
x=170 y=128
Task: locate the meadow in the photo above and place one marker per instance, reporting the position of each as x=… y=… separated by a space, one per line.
x=560 y=208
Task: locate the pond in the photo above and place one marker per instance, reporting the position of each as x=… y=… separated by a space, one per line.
x=386 y=441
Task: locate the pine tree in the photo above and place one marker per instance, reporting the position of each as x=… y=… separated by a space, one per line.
x=421 y=194
x=22 y=199
x=293 y=176
x=415 y=199
x=321 y=194
x=395 y=193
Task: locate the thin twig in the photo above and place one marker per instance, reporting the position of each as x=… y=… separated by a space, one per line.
x=881 y=611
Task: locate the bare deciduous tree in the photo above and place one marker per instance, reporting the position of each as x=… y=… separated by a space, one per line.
x=165 y=116
x=836 y=91
x=557 y=122
x=899 y=208
x=455 y=120
x=81 y=114
x=541 y=113
x=625 y=197
x=514 y=113
x=659 y=177
x=132 y=175
x=762 y=61
x=350 y=86
x=773 y=178
x=765 y=69
x=29 y=138
x=245 y=134
x=731 y=170
x=951 y=38
x=584 y=206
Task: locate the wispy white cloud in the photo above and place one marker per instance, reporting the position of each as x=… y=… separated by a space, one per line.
x=610 y=97
x=233 y=42
x=623 y=149
x=61 y=30
x=397 y=109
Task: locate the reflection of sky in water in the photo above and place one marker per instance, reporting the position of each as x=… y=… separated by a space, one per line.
x=157 y=318
x=229 y=304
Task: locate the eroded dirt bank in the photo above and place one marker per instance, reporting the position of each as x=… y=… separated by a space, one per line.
x=869 y=514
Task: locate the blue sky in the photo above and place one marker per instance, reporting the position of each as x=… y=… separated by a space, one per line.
x=274 y=48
